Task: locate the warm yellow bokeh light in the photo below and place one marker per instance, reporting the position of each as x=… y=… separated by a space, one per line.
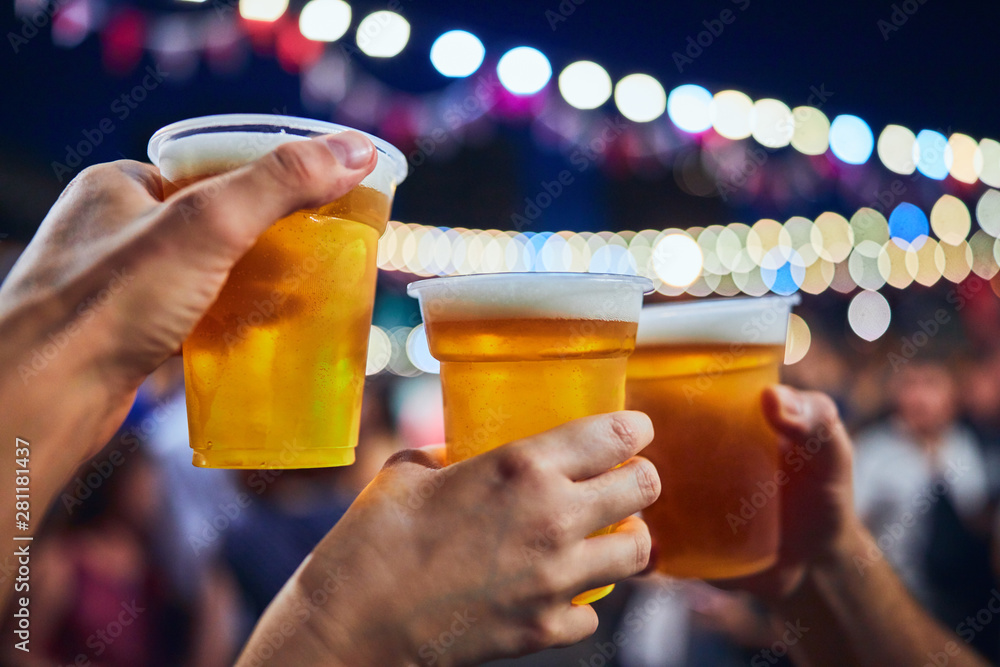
x=729 y=112
x=930 y=257
x=677 y=260
x=800 y=236
x=811 y=135
x=950 y=219
x=798 y=341
x=963 y=158
x=833 y=236
x=818 y=276
x=984 y=263
x=957 y=261
x=897 y=266
x=896 y=149
x=764 y=236
x=731 y=247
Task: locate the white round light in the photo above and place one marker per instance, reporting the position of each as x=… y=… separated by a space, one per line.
x=379 y=350
x=262 y=10
x=419 y=352
x=689 y=108
x=677 y=260
x=524 y=70
x=585 y=85
x=457 y=53
x=383 y=34
x=869 y=315
x=325 y=20
x=640 y=98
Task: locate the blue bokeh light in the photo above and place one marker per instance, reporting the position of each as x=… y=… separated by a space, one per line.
x=908 y=226
x=851 y=139
x=931 y=147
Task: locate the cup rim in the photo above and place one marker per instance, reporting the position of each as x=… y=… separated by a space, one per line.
x=413 y=289
x=725 y=304
x=271 y=124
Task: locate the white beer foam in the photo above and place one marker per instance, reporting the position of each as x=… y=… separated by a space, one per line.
x=215 y=152
x=588 y=296
x=748 y=321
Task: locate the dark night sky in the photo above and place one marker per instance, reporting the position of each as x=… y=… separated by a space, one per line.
x=939 y=70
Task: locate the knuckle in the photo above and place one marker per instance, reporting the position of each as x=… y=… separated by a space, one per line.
x=295 y=165
x=516 y=464
x=647 y=480
x=542 y=631
x=643 y=546
x=622 y=434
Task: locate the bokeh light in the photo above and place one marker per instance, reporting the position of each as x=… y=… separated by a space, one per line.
x=325 y=20
x=457 y=53
x=950 y=219
x=957 y=261
x=988 y=212
x=677 y=259
x=851 y=140
x=963 y=150
x=418 y=351
x=688 y=108
x=729 y=113
x=988 y=162
x=930 y=154
x=930 y=263
x=832 y=237
x=383 y=34
x=869 y=315
x=863 y=265
x=799 y=340
x=262 y=10
x=908 y=226
x=811 y=135
x=379 y=351
x=771 y=123
x=984 y=261
x=640 y=98
x=896 y=146
x=867 y=224
x=524 y=70
x=585 y=85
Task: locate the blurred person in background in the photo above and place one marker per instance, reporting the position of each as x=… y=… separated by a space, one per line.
x=103 y=590
x=921 y=487
x=289 y=511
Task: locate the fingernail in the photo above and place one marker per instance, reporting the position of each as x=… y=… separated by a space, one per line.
x=791 y=402
x=353 y=150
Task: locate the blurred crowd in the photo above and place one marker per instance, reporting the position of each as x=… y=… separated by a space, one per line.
x=146 y=560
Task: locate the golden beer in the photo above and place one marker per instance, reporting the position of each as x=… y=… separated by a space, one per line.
x=718 y=513
x=274 y=371
x=523 y=353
